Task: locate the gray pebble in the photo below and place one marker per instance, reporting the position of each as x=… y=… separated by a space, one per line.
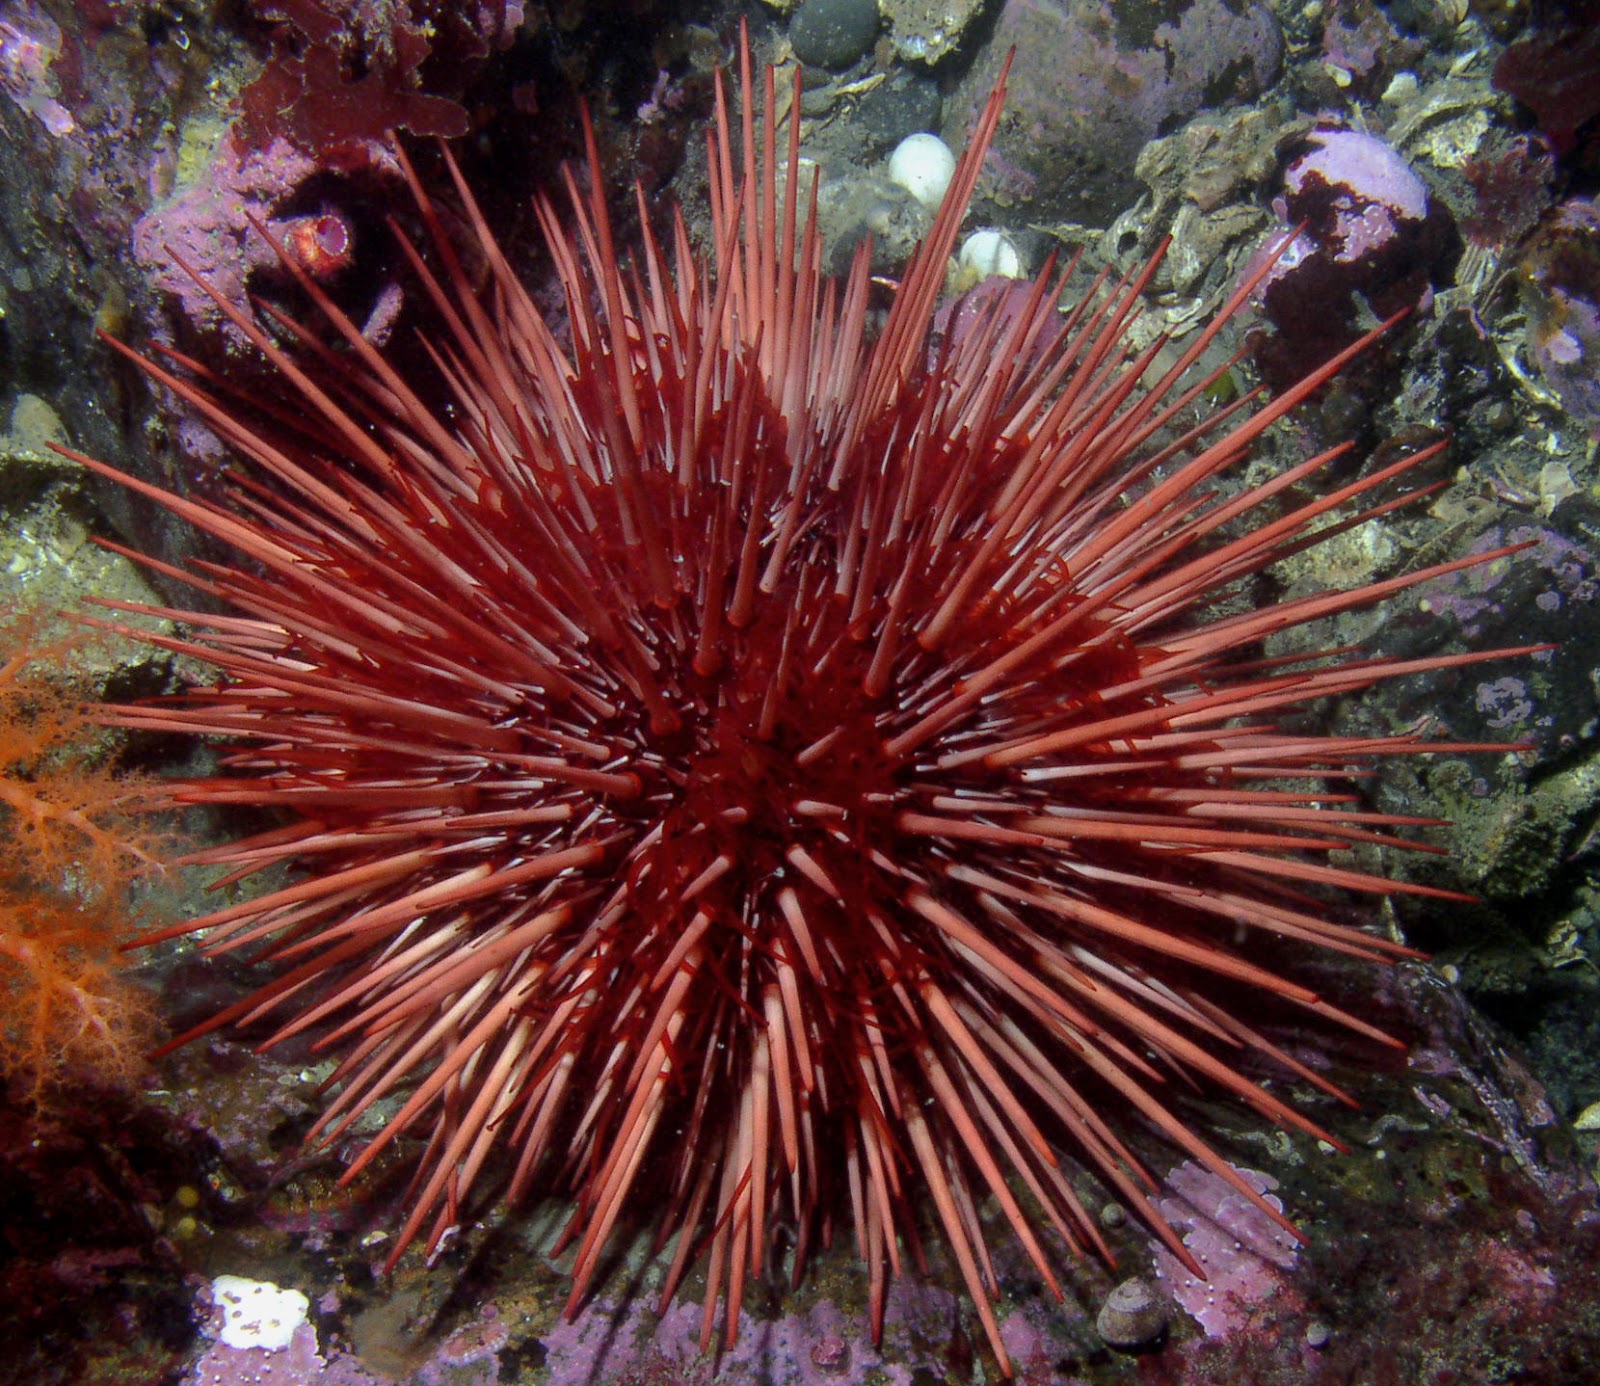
x=833 y=33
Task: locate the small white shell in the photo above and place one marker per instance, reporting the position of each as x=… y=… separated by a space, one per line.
x=922 y=165
x=1134 y=1315
x=986 y=253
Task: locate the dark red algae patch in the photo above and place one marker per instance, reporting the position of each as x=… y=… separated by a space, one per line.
x=92 y=1291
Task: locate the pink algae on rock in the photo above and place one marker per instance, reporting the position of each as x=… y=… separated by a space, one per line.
x=1245 y=1255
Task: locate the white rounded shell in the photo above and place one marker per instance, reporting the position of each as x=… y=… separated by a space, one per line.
x=923 y=165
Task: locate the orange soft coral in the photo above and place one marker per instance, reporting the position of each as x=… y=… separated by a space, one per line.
x=68 y=855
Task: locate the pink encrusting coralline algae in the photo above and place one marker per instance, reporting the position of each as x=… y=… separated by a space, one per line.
x=1244 y=1254
x=30 y=41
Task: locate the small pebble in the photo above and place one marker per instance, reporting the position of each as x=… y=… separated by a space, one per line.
x=833 y=33
x=901 y=106
x=1317 y=1334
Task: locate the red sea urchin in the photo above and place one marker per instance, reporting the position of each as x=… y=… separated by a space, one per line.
x=744 y=762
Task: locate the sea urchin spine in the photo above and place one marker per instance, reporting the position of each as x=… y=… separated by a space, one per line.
x=748 y=762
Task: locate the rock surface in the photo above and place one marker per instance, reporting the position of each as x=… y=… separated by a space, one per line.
x=1091 y=83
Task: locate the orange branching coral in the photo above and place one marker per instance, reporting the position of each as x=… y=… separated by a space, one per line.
x=69 y=852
